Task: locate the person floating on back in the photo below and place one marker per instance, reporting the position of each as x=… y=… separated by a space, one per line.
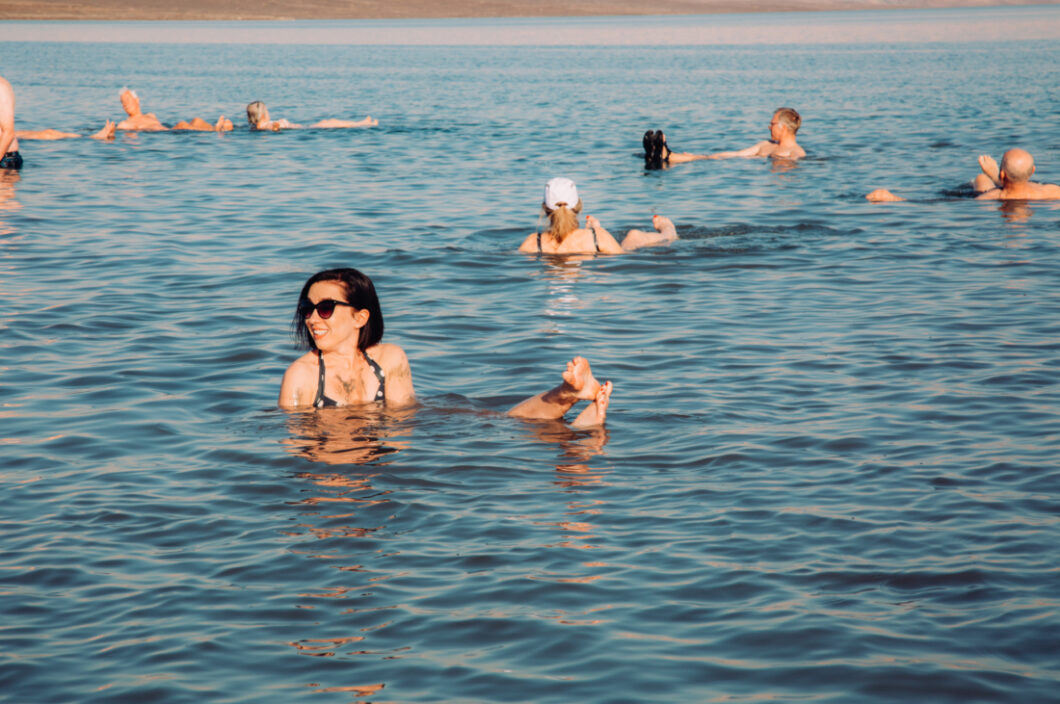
x=780 y=145
x=138 y=121
x=258 y=117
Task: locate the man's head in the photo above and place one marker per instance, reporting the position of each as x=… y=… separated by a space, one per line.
x=1017 y=166
x=787 y=117
x=130 y=102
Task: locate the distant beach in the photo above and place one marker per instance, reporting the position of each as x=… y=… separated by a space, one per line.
x=426 y=9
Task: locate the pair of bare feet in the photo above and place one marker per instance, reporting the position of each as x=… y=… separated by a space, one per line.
x=579 y=377
x=579 y=384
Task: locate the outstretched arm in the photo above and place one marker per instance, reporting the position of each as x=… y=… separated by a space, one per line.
x=756 y=150
x=578 y=385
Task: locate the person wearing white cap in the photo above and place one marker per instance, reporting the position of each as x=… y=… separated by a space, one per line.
x=564 y=236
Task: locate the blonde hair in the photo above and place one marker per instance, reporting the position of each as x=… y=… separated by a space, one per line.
x=563 y=220
x=255 y=112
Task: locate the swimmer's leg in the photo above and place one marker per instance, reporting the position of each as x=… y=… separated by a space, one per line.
x=578 y=385
x=664 y=232
x=596 y=412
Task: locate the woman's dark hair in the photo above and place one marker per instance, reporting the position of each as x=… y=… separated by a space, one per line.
x=360 y=293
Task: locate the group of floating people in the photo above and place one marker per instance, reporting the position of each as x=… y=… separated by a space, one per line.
x=338 y=319
x=138 y=121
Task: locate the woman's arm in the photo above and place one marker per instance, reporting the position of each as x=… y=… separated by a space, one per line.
x=298 y=388
x=398 y=375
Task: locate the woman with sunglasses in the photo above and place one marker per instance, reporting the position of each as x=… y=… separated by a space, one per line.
x=340 y=322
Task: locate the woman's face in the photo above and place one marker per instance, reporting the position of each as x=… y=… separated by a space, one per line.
x=342 y=326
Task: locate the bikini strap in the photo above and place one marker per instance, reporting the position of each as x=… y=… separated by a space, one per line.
x=319 y=400
x=596 y=245
x=380 y=393
x=539 y=243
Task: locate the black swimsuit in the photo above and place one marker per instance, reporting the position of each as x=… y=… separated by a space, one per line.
x=323 y=401
x=596 y=245
x=11 y=160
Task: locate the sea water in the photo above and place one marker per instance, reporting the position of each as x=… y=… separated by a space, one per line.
x=829 y=471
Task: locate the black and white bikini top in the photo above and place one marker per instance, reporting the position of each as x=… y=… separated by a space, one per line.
x=323 y=401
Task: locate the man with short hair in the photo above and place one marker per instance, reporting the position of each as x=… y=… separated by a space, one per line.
x=780 y=145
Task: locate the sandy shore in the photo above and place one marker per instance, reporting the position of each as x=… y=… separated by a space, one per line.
x=409 y=9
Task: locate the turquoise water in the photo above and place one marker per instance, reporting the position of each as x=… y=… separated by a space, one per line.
x=829 y=471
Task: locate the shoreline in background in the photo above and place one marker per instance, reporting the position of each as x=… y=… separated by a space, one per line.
x=112 y=10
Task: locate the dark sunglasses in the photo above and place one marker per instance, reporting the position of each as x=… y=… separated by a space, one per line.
x=323 y=308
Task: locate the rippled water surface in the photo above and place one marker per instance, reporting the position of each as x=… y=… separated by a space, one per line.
x=829 y=472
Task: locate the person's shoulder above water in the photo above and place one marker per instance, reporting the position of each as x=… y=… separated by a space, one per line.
x=1012 y=178
x=396 y=371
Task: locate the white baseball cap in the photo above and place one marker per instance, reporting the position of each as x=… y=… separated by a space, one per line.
x=560 y=191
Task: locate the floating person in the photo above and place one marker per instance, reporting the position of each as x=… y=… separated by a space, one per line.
x=9 y=155
x=1013 y=180
x=147 y=122
x=137 y=120
x=340 y=322
x=1009 y=182
x=781 y=144
x=258 y=117
x=565 y=236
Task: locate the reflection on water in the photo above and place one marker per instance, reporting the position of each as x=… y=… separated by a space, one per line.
x=346 y=435
x=8 y=202
x=1016 y=211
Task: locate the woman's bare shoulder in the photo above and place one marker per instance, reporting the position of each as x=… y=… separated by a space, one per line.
x=387 y=355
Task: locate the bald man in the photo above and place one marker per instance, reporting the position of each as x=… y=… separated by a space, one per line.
x=9 y=156
x=1013 y=180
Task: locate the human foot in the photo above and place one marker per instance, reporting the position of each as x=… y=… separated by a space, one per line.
x=107 y=132
x=579 y=377
x=664 y=225
x=596 y=412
